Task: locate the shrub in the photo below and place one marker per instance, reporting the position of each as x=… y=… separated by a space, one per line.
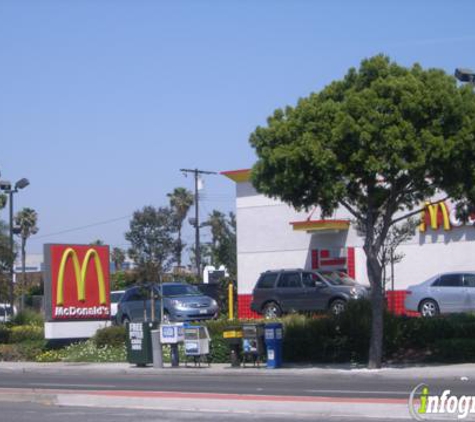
x=26 y=351
x=114 y=336
x=28 y=317
x=88 y=352
x=26 y=333
x=4 y=334
x=454 y=350
x=50 y=356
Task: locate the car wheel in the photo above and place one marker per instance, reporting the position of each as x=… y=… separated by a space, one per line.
x=271 y=310
x=429 y=308
x=125 y=320
x=337 y=307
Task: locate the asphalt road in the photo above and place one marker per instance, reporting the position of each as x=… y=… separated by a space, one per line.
x=31 y=412
x=286 y=384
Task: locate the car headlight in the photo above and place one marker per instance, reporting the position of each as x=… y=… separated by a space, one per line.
x=178 y=304
x=354 y=292
x=214 y=303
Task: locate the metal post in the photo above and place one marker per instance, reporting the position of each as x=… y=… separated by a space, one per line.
x=12 y=298
x=157 y=349
x=392 y=279
x=197 y=228
x=196 y=173
x=174 y=355
x=231 y=301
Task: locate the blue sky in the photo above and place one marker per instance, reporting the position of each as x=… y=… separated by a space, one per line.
x=102 y=102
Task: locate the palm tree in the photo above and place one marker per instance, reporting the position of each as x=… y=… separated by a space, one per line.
x=118 y=258
x=181 y=200
x=26 y=221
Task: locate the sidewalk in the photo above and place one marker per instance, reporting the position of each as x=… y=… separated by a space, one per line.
x=205 y=403
x=409 y=371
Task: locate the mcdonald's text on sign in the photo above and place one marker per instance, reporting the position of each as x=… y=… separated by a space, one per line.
x=79 y=277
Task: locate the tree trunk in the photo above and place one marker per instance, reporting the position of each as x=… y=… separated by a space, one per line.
x=376 y=340
x=179 y=248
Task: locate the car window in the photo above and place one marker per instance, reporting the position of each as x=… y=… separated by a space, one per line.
x=2 y=312
x=115 y=296
x=339 y=278
x=469 y=280
x=180 y=290
x=137 y=294
x=309 y=279
x=449 y=280
x=290 y=280
x=267 y=281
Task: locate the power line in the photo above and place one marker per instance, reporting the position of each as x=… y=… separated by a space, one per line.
x=101 y=223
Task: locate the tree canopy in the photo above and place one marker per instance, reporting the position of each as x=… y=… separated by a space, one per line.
x=151 y=238
x=181 y=200
x=223 y=240
x=377 y=142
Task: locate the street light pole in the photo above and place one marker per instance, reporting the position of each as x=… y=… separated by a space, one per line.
x=7 y=188
x=197 y=227
x=12 y=263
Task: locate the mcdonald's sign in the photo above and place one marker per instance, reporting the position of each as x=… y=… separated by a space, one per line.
x=77 y=282
x=440 y=215
x=435 y=216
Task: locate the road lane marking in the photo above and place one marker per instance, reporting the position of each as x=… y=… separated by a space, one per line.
x=379 y=392
x=60 y=385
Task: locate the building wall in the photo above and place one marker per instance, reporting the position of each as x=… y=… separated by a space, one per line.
x=266 y=240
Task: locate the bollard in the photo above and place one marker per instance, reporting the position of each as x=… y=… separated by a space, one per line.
x=231 y=301
x=235 y=356
x=157 y=349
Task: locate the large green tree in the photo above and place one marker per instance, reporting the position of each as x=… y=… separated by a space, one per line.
x=26 y=221
x=181 y=200
x=377 y=143
x=151 y=238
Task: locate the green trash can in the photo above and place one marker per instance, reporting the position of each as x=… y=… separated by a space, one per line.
x=139 y=342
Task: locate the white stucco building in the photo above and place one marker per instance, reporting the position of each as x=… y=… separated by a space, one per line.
x=272 y=235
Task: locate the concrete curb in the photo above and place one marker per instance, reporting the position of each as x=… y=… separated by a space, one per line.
x=466 y=371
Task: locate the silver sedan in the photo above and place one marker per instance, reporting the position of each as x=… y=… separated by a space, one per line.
x=443 y=293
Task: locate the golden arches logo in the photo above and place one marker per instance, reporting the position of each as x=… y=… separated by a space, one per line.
x=433 y=211
x=80 y=272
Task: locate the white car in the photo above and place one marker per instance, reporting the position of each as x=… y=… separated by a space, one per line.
x=443 y=294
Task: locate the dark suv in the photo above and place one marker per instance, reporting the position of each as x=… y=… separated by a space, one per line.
x=282 y=291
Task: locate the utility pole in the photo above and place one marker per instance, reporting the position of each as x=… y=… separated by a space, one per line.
x=197 y=173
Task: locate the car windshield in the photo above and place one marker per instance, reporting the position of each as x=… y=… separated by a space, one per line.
x=338 y=278
x=115 y=296
x=180 y=290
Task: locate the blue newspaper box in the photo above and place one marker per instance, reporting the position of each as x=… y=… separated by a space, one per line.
x=273 y=338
